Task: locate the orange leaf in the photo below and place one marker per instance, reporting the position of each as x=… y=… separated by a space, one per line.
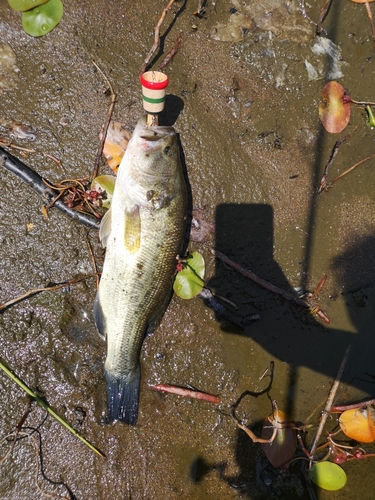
x=359 y=424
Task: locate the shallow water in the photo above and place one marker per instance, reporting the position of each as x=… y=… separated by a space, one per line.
x=246 y=112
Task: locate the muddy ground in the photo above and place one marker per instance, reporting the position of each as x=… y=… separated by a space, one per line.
x=246 y=110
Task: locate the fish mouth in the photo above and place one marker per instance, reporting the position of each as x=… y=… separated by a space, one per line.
x=156 y=133
x=151 y=134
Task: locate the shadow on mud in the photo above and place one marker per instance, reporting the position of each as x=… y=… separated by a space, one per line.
x=244 y=232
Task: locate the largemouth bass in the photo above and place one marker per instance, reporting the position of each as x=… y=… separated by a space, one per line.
x=143 y=231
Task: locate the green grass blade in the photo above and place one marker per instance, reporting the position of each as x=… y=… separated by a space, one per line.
x=48 y=408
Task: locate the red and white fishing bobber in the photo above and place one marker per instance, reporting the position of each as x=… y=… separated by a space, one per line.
x=154 y=87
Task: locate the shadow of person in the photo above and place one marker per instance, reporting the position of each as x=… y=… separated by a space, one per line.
x=355 y=276
x=244 y=232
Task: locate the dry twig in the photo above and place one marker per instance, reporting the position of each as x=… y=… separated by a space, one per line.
x=260 y=281
x=9 y=144
x=106 y=124
x=323 y=12
x=315 y=309
x=350 y=169
x=323 y=181
x=172 y=52
x=156 y=37
x=200 y=8
x=35 y=291
x=188 y=393
x=328 y=406
x=93 y=262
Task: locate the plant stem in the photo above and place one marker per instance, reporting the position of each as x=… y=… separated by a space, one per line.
x=362 y=404
x=44 y=405
x=369 y=14
x=350 y=169
x=362 y=103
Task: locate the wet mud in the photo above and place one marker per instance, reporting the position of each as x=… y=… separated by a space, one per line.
x=246 y=110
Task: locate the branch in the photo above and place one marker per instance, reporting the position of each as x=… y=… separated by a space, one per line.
x=156 y=37
x=38 y=183
x=328 y=406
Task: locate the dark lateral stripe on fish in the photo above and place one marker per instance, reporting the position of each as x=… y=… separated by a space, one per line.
x=123 y=397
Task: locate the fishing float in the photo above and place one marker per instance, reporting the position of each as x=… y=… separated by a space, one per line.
x=154 y=87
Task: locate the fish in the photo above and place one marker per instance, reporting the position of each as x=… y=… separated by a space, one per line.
x=143 y=232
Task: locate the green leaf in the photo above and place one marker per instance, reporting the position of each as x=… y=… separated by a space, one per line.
x=190 y=281
x=328 y=476
x=42 y=19
x=371 y=118
x=104 y=183
x=22 y=5
x=196 y=262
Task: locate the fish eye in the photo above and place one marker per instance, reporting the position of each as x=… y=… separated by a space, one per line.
x=166 y=150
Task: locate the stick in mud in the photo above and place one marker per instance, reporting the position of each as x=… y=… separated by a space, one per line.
x=35 y=291
x=272 y=288
x=106 y=124
x=189 y=393
x=265 y=284
x=350 y=169
x=172 y=52
x=323 y=12
x=323 y=181
x=36 y=181
x=156 y=37
x=328 y=406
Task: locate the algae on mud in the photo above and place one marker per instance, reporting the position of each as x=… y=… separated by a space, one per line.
x=254 y=150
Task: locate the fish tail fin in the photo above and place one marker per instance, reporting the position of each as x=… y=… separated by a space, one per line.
x=123 y=397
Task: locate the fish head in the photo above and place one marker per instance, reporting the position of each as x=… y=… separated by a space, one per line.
x=150 y=173
x=156 y=146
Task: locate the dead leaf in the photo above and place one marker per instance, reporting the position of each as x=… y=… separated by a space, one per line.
x=334 y=108
x=115 y=144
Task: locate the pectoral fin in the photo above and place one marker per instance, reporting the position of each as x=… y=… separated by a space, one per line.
x=105 y=227
x=132 y=233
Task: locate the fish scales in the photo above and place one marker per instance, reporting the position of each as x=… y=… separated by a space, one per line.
x=143 y=231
